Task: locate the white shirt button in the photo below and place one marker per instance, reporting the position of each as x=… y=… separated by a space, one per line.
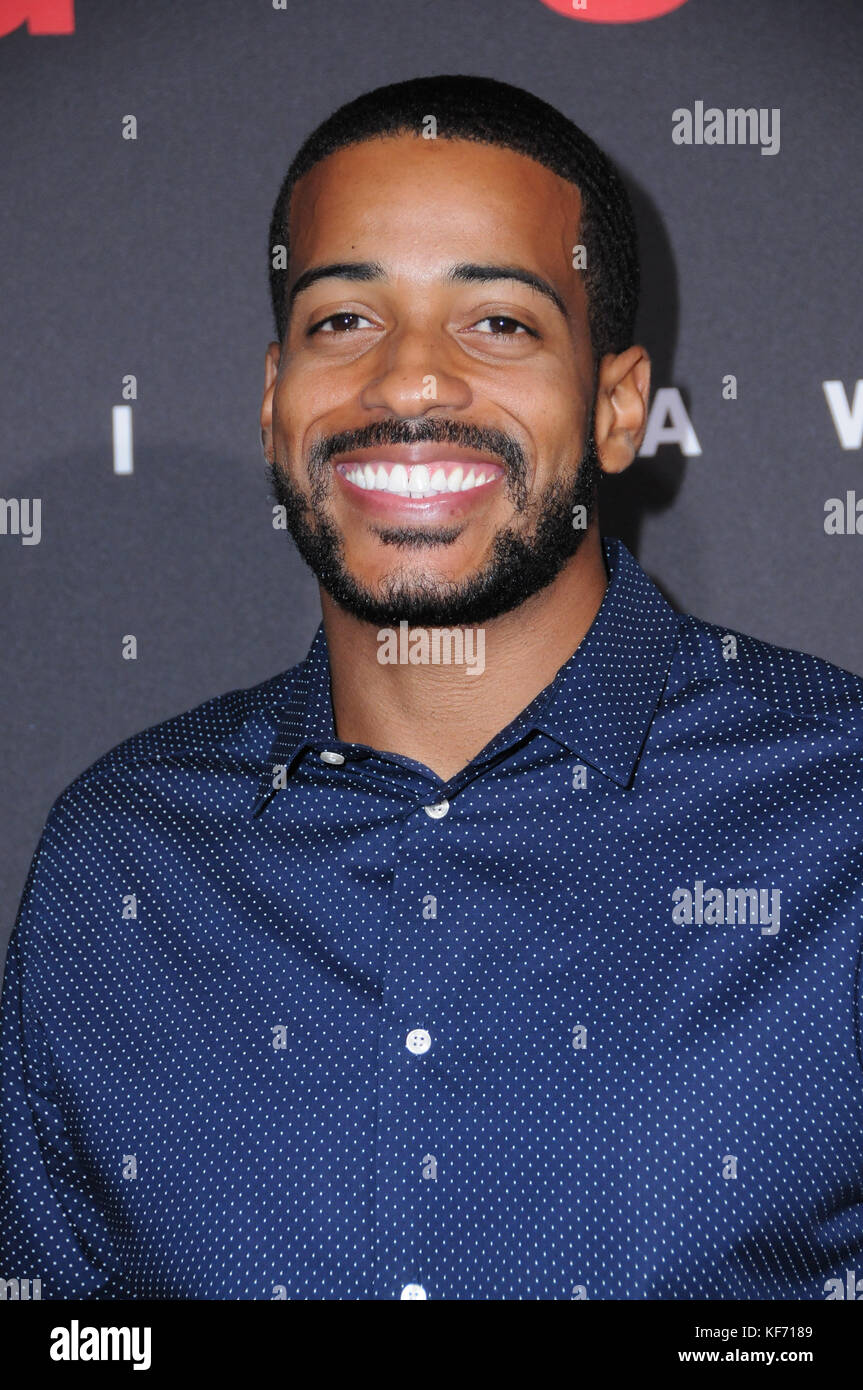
x=335 y=758
x=413 y=1291
x=418 y=1040
x=440 y=809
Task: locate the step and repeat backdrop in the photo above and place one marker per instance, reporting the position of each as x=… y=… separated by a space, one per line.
x=143 y=144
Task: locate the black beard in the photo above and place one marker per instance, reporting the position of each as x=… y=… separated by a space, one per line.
x=521 y=563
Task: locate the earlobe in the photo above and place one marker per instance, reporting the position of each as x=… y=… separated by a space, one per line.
x=620 y=424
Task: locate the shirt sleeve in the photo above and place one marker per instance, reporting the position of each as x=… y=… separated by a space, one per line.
x=51 y=1225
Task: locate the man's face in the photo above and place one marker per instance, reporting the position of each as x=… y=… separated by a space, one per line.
x=416 y=365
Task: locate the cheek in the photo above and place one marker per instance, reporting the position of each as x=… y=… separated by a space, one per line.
x=547 y=407
x=306 y=394
x=561 y=403
x=296 y=407
x=549 y=384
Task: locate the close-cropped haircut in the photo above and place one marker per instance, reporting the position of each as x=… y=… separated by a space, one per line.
x=492 y=113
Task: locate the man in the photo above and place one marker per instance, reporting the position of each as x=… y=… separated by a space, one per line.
x=507 y=947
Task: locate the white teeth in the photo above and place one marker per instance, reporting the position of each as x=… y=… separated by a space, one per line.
x=414 y=481
x=419 y=478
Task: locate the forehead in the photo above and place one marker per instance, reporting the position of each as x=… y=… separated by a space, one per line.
x=404 y=199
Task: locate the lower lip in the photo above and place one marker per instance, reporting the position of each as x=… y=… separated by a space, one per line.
x=441 y=507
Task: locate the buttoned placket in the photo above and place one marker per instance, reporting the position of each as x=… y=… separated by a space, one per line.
x=408 y=1043
x=411 y=1048
x=402 y=1095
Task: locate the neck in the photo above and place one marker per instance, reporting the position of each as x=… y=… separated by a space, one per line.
x=442 y=715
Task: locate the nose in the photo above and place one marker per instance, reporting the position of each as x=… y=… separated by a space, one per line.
x=413 y=375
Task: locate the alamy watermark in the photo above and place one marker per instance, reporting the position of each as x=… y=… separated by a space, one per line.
x=21 y=516
x=737 y=125
x=716 y=906
x=15 y=1290
x=436 y=646
x=77 y=1343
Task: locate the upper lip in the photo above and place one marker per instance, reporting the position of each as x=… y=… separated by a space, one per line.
x=417 y=453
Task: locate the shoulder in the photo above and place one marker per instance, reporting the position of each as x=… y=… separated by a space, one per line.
x=779 y=679
x=229 y=735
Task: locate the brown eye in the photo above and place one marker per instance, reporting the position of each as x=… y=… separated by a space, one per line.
x=502 y=326
x=341 y=323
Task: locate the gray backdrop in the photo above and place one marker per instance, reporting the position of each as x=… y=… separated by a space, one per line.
x=149 y=257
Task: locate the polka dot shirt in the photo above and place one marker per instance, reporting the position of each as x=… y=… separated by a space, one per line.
x=290 y=1018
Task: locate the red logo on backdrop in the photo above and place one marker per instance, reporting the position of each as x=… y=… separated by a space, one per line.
x=40 y=16
x=613 y=11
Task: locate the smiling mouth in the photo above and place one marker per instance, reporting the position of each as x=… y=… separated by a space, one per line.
x=419 y=480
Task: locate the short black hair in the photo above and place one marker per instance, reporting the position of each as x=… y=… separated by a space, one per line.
x=493 y=113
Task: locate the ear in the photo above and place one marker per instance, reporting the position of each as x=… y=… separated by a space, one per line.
x=271 y=371
x=620 y=420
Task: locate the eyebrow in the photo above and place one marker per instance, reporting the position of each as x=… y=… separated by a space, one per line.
x=465 y=273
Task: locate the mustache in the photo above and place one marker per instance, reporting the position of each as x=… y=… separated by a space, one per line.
x=426 y=430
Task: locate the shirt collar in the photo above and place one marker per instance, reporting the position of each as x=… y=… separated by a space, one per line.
x=600 y=704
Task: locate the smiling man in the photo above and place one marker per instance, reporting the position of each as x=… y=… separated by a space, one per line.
x=391 y=978
x=432 y=413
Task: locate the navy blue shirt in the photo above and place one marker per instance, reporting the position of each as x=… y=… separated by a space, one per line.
x=287 y=1017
